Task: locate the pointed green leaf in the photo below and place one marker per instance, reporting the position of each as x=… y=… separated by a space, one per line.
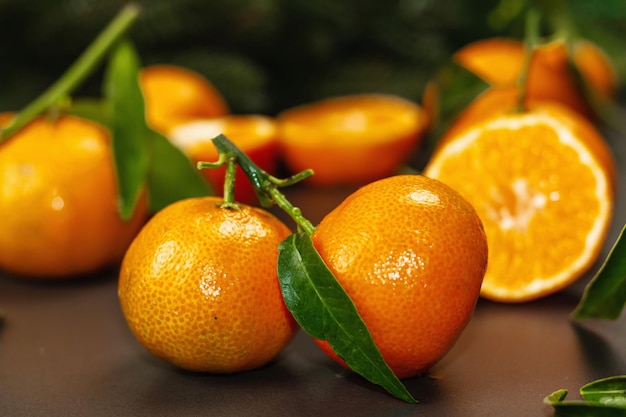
x=608 y=391
x=144 y=157
x=605 y=295
x=131 y=138
x=91 y=109
x=574 y=408
x=172 y=176
x=455 y=88
x=324 y=310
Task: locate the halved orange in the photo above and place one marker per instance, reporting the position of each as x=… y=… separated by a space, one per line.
x=542 y=182
x=350 y=139
x=255 y=135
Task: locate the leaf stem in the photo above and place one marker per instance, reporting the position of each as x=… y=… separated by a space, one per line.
x=530 y=44
x=77 y=72
x=294 y=212
x=265 y=185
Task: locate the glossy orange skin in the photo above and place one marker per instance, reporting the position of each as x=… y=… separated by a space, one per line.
x=199 y=287
x=411 y=253
x=174 y=95
x=59 y=202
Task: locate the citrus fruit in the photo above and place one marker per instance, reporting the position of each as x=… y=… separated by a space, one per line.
x=255 y=135
x=542 y=181
x=199 y=287
x=411 y=254
x=350 y=139
x=500 y=61
x=175 y=94
x=59 y=202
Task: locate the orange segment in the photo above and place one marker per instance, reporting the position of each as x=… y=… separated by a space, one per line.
x=543 y=184
x=255 y=135
x=351 y=139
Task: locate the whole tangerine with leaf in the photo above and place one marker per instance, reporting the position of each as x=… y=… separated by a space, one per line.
x=59 y=200
x=198 y=286
x=411 y=254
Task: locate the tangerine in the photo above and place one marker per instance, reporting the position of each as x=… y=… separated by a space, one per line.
x=411 y=254
x=350 y=139
x=543 y=183
x=199 y=287
x=174 y=95
x=59 y=201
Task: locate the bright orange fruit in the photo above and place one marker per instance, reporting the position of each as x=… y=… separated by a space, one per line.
x=174 y=95
x=351 y=139
x=255 y=135
x=199 y=287
x=59 y=201
x=542 y=181
x=500 y=61
x=411 y=253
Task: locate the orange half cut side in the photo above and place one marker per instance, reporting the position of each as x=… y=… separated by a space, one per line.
x=542 y=183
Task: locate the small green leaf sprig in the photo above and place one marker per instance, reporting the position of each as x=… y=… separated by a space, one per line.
x=311 y=292
x=601 y=398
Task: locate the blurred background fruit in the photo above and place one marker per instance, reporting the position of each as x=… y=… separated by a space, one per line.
x=59 y=202
x=256 y=135
x=350 y=139
x=500 y=61
x=174 y=95
x=266 y=56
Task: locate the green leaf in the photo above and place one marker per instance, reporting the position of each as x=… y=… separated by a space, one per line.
x=142 y=156
x=92 y=109
x=602 y=398
x=608 y=391
x=324 y=310
x=86 y=63
x=605 y=295
x=131 y=136
x=454 y=88
x=172 y=176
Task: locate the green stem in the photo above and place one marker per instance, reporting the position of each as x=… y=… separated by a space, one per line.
x=229 y=182
x=530 y=44
x=265 y=185
x=294 y=212
x=79 y=70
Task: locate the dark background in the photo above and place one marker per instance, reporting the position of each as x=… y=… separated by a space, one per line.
x=267 y=55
